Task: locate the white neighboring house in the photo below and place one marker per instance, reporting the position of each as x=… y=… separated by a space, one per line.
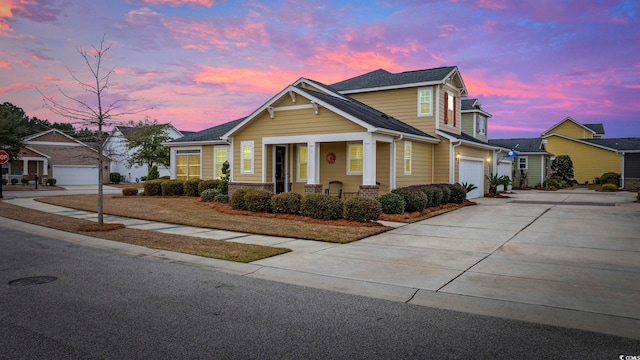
x=116 y=147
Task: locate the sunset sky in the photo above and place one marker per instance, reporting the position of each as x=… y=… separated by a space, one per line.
x=198 y=63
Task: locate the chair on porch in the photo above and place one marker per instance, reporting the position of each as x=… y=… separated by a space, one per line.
x=335 y=189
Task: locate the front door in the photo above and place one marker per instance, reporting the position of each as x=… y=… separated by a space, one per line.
x=281 y=169
x=32 y=170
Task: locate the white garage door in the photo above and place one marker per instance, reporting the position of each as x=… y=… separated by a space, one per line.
x=75 y=175
x=472 y=172
x=504 y=168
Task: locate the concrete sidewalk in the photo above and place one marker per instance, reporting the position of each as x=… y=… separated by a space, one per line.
x=566 y=258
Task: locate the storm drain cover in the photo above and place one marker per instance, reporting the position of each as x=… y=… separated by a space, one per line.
x=34 y=280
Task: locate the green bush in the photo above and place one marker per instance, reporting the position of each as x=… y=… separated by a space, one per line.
x=172 y=187
x=551 y=182
x=209 y=195
x=5 y=181
x=153 y=187
x=425 y=189
x=362 y=209
x=470 y=187
x=258 y=200
x=610 y=178
x=24 y=181
x=237 y=199
x=166 y=177
x=207 y=184
x=222 y=198
x=190 y=187
x=609 y=187
x=130 y=191
x=446 y=193
x=51 y=182
x=391 y=203
x=14 y=181
x=562 y=167
x=286 y=203
x=414 y=199
x=438 y=195
x=153 y=173
x=115 y=177
x=458 y=193
x=319 y=206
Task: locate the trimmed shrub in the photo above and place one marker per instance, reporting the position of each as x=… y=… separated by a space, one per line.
x=153 y=173
x=207 y=184
x=258 y=200
x=153 y=187
x=166 y=177
x=190 y=187
x=237 y=199
x=51 y=182
x=438 y=195
x=115 y=177
x=362 y=209
x=172 y=187
x=14 y=181
x=425 y=189
x=391 y=203
x=610 y=178
x=222 y=198
x=562 y=167
x=414 y=199
x=286 y=203
x=609 y=187
x=458 y=193
x=209 y=195
x=24 y=181
x=5 y=181
x=320 y=206
x=446 y=193
x=130 y=191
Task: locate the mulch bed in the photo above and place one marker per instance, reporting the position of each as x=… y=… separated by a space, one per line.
x=495 y=195
x=103 y=227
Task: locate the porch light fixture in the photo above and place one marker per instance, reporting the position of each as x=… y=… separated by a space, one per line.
x=488 y=159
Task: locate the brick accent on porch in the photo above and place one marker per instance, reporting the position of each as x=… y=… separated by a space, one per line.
x=369 y=191
x=312 y=189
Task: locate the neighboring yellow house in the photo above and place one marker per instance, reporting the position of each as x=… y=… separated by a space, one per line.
x=373 y=133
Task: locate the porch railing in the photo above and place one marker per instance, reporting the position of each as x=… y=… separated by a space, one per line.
x=9 y=177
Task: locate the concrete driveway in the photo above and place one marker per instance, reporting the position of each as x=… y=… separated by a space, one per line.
x=568 y=258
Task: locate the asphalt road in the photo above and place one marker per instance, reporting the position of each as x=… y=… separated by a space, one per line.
x=106 y=304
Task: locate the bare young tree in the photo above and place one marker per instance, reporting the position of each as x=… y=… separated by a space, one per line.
x=92 y=113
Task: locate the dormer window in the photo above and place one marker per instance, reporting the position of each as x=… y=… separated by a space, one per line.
x=481 y=124
x=425 y=102
x=450 y=108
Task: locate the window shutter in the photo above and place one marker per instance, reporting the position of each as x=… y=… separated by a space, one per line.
x=446 y=107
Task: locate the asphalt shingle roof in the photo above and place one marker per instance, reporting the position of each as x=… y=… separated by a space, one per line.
x=466 y=137
x=629 y=144
x=467 y=104
x=367 y=114
x=525 y=145
x=211 y=134
x=382 y=78
x=598 y=128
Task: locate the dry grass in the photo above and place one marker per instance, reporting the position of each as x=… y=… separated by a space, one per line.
x=191 y=211
x=216 y=249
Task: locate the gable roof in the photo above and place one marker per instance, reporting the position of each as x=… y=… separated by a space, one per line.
x=381 y=79
x=521 y=145
x=211 y=135
x=473 y=105
x=467 y=139
x=371 y=119
x=126 y=130
x=548 y=131
x=597 y=128
x=32 y=137
x=620 y=144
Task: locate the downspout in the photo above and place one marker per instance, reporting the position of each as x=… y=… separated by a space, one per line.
x=452 y=172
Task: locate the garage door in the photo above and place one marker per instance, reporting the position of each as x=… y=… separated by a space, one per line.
x=504 y=168
x=75 y=175
x=472 y=172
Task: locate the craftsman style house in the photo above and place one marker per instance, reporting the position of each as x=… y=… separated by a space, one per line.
x=371 y=133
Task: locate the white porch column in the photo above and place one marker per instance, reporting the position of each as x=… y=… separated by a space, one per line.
x=45 y=167
x=369 y=153
x=172 y=161
x=313 y=167
x=25 y=167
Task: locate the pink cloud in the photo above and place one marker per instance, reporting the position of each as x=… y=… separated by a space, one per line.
x=267 y=81
x=175 y=3
x=5 y=64
x=16 y=86
x=50 y=78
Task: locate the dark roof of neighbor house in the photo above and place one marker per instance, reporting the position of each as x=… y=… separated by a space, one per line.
x=467 y=104
x=597 y=128
x=466 y=137
x=367 y=114
x=211 y=134
x=383 y=78
x=621 y=144
x=524 y=145
x=126 y=130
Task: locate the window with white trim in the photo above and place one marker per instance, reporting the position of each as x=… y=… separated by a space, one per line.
x=219 y=157
x=407 y=157
x=425 y=101
x=246 y=157
x=187 y=164
x=355 y=162
x=523 y=162
x=450 y=109
x=303 y=162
